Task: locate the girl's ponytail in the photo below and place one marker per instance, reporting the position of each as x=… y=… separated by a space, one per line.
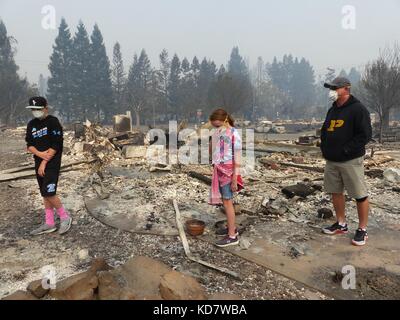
x=222 y=115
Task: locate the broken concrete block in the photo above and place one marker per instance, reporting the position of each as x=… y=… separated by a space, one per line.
x=325 y=213
x=134 y=151
x=224 y=296
x=138 y=279
x=36 y=288
x=144 y=274
x=77 y=287
x=392 y=175
x=302 y=190
x=20 y=295
x=177 y=286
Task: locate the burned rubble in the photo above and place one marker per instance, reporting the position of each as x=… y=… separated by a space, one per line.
x=110 y=188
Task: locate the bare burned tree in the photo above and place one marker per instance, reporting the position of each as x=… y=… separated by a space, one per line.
x=380 y=85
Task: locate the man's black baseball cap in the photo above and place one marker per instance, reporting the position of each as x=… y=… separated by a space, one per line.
x=37 y=103
x=337 y=83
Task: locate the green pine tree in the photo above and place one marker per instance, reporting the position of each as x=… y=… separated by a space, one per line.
x=236 y=64
x=100 y=78
x=207 y=76
x=195 y=70
x=302 y=89
x=238 y=74
x=296 y=80
x=195 y=66
x=187 y=91
x=173 y=86
x=82 y=105
x=59 y=83
x=118 y=78
x=163 y=74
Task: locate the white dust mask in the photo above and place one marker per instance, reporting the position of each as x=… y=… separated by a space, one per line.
x=333 y=95
x=39 y=114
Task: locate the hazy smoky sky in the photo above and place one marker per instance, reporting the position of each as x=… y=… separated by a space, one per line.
x=306 y=28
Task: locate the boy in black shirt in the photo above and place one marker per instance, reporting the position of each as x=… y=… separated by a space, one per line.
x=44 y=138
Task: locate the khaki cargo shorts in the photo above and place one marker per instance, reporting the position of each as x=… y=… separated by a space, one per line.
x=349 y=176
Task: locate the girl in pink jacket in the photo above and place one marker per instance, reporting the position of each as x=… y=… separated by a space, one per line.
x=226 y=148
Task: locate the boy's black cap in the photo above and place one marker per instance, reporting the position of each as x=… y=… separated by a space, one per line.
x=37 y=103
x=339 y=82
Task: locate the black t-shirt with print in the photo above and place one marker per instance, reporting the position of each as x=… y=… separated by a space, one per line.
x=44 y=134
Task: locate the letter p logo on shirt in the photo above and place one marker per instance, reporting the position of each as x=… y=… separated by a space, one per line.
x=335 y=124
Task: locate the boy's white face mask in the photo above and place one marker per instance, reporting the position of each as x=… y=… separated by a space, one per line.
x=333 y=95
x=39 y=114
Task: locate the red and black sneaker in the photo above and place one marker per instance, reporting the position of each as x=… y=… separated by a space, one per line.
x=360 y=238
x=336 y=228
